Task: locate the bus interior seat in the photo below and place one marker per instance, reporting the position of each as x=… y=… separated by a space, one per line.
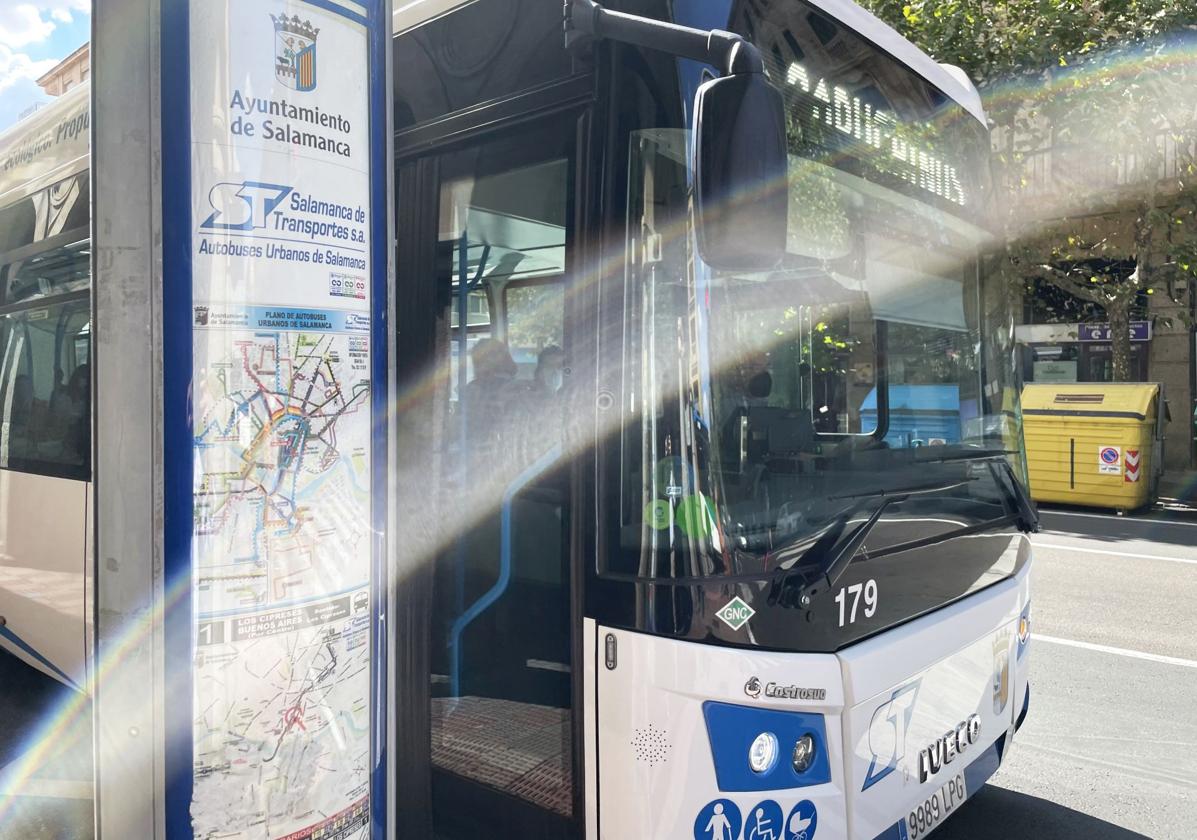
x=779 y=432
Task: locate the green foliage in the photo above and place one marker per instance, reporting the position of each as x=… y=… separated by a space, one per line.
x=1111 y=87
x=995 y=40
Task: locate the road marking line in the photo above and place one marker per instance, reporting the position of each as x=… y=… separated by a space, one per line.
x=35 y=786
x=1133 y=654
x=1120 y=519
x=1085 y=550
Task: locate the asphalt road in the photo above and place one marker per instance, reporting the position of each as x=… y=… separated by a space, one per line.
x=1109 y=748
x=1108 y=751
x=45 y=756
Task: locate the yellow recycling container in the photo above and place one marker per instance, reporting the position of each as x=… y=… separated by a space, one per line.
x=1094 y=443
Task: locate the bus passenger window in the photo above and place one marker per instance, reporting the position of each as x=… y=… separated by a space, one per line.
x=45 y=390
x=45 y=341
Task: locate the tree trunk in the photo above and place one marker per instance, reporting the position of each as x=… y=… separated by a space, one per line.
x=1120 y=338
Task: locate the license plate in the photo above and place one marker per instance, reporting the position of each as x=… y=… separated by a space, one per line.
x=936 y=808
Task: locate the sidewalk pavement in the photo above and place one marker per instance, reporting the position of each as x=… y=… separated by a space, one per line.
x=1179 y=488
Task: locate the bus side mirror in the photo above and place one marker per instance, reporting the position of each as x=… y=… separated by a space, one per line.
x=740 y=173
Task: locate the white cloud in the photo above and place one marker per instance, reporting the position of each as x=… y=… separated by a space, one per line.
x=63 y=11
x=15 y=66
x=24 y=23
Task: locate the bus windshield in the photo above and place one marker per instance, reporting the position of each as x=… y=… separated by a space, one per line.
x=762 y=409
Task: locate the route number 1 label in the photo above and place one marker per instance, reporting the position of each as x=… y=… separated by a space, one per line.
x=852 y=594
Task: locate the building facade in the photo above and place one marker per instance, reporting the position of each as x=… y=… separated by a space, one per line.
x=72 y=70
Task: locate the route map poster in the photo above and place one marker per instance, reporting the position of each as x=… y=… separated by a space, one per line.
x=281 y=542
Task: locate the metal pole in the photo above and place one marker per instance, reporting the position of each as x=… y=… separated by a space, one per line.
x=127 y=553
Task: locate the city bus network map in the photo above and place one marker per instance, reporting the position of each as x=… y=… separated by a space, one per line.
x=281 y=584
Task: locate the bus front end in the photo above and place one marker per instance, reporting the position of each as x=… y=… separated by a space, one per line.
x=809 y=610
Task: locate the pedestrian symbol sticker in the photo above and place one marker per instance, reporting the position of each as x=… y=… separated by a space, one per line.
x=719 y=820
x=1109 y=460
x=735 y=613
x=764 y=822
x=1134 y=459
x=802 y=821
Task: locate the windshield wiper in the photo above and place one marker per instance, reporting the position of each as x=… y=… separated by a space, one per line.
x=975 y=455
x=833 y=553
x=1024 y=510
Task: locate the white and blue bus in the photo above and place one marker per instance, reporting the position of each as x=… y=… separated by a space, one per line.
x=45 y=386
x=666 y=563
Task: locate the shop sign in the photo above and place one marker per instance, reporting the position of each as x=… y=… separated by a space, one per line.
x=1055 y=371
x=1139 y=331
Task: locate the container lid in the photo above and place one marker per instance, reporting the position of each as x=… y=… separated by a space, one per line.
x=1109 y=399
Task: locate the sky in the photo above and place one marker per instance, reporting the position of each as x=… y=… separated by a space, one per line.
x=34 y=36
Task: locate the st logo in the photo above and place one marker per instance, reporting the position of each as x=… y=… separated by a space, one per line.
x=243 y=206
x=887 y=733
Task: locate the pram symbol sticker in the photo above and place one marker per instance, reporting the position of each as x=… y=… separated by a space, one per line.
x=764 y=822
x=802 y=821
x=719 y=820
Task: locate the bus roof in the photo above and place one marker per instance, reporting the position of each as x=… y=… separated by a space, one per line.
x=951 y=81
x=46 y=146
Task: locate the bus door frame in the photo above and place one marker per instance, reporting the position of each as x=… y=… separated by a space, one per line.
x=417 y=152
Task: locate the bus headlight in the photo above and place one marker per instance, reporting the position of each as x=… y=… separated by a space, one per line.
x=804 y=753
x=763 y=753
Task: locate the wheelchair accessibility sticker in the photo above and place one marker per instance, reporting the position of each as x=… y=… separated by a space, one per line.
x=764 y=822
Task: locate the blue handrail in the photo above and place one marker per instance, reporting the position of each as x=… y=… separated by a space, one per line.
x=493 y=594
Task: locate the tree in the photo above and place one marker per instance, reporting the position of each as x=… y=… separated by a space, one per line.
x=1106 y=85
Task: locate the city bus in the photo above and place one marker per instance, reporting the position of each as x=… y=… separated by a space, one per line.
x=665 y=562
x=45 y=387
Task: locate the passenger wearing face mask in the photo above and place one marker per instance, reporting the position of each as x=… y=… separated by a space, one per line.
x=550 y=370
x=544 y=404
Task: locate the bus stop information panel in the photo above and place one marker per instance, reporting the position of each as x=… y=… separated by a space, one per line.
x=279 y=599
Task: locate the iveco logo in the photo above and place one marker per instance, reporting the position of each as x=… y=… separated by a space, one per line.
x=784 y=692
x=932 y=759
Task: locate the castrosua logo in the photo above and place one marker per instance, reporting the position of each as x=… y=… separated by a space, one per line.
x=783 y=692
x=295 y=52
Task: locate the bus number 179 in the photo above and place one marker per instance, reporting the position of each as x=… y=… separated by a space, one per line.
x=869 y=588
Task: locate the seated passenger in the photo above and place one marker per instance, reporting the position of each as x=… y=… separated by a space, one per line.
x=490 y=398
x=550 y=370
x=77 y=442
x=543 y=415
x=17 y=440
x=22 y=403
